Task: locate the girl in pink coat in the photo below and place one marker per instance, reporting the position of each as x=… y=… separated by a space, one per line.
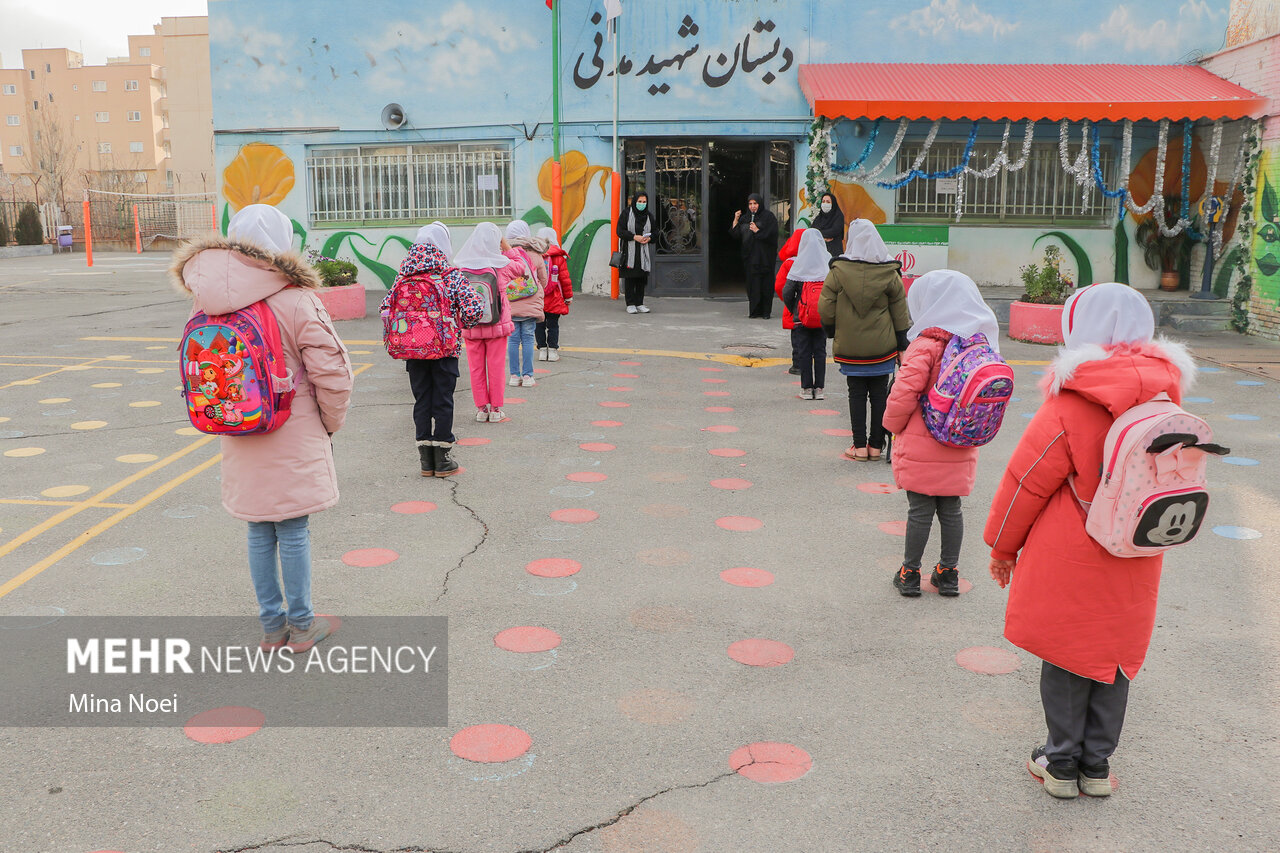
x=943 y=303
x=276 y=480
x=1086 y=613
x=487 y=344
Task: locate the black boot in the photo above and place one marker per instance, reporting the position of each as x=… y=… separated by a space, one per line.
x=445 y=467
x=426 y=453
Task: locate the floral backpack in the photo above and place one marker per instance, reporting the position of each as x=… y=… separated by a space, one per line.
x=417 y=319
x=523 y=286
x=966 y=404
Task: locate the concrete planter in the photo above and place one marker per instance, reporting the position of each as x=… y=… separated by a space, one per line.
x=25 y=251
x=1035 y=323
x=344 y=303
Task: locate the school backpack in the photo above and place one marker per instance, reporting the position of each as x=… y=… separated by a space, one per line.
x=966 y=404
x=1153 y=491
x=234 y=378
x=523 y=286
x=417 y=319
x=485 y=284
x=807 y=305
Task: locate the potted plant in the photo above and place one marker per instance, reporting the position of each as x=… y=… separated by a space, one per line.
x=342 y=296
x=1160 y=252
x=1037 y=316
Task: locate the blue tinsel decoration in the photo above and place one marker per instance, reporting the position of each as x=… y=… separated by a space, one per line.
x=866 y=152
x=946 y=173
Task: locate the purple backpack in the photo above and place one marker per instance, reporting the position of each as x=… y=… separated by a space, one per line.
x=965 y=407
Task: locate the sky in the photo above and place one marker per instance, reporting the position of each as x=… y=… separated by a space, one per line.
x=97 y=28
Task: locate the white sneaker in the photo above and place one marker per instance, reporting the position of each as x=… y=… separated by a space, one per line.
x=542 y=353
x=643 y=309
x=482 y=415
x=631 y=309
x=514 y=381
x=497 y=416
x=528 y=382
x=819 y=394
x=553 y=355
x=805 y=394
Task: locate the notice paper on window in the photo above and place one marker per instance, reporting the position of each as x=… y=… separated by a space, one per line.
x=946 y=186
x=489 y=183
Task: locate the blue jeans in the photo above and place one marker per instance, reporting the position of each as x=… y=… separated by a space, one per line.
x=294 y=541
x=523 y=334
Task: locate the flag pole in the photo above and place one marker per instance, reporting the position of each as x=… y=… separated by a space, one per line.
x=557 y=185
x=616 y=194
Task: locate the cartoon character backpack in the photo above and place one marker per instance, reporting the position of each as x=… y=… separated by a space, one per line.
x=485 y=284
x=523 y=286
x=1153 y=492
x=966 y=404
x=417 y=319
x=234 y=378
x=807 y=306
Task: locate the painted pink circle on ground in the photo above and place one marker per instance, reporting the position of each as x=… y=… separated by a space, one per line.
x=715 y=380
x=715 y=393
x=760 y=652
x=614 y=404
x=586 y=477
x=606 y=423
x=770 y=762
x=926 y=586
x=541 y=370
x=553 y=567
x=224 y=725
x=629 y=363
x=413 y=507
x=597 y=447
x=744 y=576
x=474 y=441
x=732 y=484
x=574 y=516
x=797 y=382
x=988 y=660
x=893 y=528
x=823 y=412
x=846 y=433
x=877 y=488
x=490 y=743
x=368 y=558
x=729 y=452
x=720 y=428
x=621 y=388
x=515 y=401
x=718 y=409
x=527 y=639
x=626 y=376
x=739 y=523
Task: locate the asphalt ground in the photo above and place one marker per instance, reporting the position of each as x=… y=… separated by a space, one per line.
x=109 y=507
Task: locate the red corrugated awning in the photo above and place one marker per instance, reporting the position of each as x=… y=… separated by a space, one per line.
x=1016 y=92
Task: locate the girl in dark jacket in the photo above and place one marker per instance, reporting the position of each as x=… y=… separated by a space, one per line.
x=759 y=237
x=830 y=221
x=635 y=230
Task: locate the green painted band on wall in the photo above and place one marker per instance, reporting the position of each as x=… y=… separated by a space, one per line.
x=922 y=235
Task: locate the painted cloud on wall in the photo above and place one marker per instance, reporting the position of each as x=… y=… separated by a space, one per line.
x=952 y=17
x=1165 y=38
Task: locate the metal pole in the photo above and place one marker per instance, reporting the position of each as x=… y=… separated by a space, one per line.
x=557 y=183
x=616 y=194
x=137 y=232
x=88 y=232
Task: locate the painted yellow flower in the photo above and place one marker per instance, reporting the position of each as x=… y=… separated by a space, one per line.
x=854 y=202
x=260 y=174
x=576 y=177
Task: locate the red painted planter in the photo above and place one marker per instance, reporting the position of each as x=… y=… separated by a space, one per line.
x=344 y=303
x=1035 y=323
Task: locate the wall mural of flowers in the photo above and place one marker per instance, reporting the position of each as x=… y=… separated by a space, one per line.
x=1265 y=250
x=853 y=200
x=577 y=177
x=260 y=173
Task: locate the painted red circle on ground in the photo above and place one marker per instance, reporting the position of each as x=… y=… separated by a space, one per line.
x=770 y=762
x=732 y=484
x=597 y=447
x=626 y=376
x=729 y=452
x=224 y=725
x=606 y=423
x=586 y=477
x=877 y=488
x=490 y=743
x=541 y=370
x=553 y=567
x=629 y=363
x=527 y=639
x=614 y=404
x=413 y=507
x=574 y=516
x=621 y=388
x=474 y=441
x=712 y=369
x=368 y=558
x=715 y=393
x=720 y=428
x=760 y=652
x=739 y=523
x=893 y=528
x=988 y=660
x=714 y=380
x=744 y=576
x=823 y=412
x=926 y=586
x=515 y=401
x=718 y=409
x=846 y=433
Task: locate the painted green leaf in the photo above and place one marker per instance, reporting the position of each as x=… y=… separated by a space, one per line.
x=226 y=218
x=1226 y=266
x=1084 y=269
x=301 y=232
x=581 y=249
x=385 y=274
x=334 y=242
x=1122 y=253
x=1270 y=210
x=537 y=216
x=395 y=238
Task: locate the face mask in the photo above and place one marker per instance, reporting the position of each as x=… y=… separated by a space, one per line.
x=641 y=205
x=826 y=207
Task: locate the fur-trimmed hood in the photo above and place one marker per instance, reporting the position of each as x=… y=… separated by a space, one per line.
x=533 y=244
x=1120 y=377
x=226 y=275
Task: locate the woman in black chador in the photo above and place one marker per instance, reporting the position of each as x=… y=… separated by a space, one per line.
x=758 y=233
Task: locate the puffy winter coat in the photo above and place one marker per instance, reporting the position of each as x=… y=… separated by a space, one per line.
x=559 y=283
x=864 y=307
x=788 y=257
x=1070 y=601
x=920 y=462
x=504 y=327
x=529 y=308
x=289 y=472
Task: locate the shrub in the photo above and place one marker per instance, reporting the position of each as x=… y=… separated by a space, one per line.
x=4 y=232
x=333 y=272
x=1045 y=283
x=29 y=231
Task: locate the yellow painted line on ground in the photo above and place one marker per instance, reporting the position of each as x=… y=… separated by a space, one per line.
x=20 y=502
x=106 y=524
x=80 y=366
x=54 y=520
x=138 y=340
x=124 y=361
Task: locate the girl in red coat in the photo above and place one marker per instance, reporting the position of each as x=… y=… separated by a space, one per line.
x=1086 y=613
x=943 y=303
x=556 y=300
x=788 y=257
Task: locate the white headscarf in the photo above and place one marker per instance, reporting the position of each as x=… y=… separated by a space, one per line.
x=949 y=300
x=263 y=226
x=863 y=243
x=813 y=261
x=1105 y=315
x=437 y=234
x=549 y=234
x=518 y=228
x=483 y=250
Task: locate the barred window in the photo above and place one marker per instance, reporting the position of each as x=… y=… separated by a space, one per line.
x=1041 y=192
x=429 y=181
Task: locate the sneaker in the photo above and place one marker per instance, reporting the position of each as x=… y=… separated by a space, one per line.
x=631 y=309
x=945 y=581
x=497 y=416
x=302 y=641
x=795 y=371
x=514 y=381
x=1059 y=777
x=482 y=415
x=553 y=354
x=542 y=353
x=819 y=394
x=643 y=309
x=274 y=640
x=805 y=394
x=907 y=582
x=528 y=382
x=1095 y=780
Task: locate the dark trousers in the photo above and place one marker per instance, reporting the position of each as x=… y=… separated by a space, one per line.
x=811 y=352
x=547 y=333
x=920 y=512
x=1084 y=716
x=862 y=388
x=759 y=291
x=634 y=288
x=796 y=331
x=433 y=382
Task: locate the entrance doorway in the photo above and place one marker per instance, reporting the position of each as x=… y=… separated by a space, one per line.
x=734 y=176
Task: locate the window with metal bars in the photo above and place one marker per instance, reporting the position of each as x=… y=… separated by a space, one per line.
x=414 y=182
x=1041 y=193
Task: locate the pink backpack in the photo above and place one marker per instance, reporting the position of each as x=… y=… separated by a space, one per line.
x=1153 y=492
x=234 y=378
x=417 y=319
x=966 y=405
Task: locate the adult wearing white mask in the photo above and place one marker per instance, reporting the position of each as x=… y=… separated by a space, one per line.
x=276 y=480
x=830 y=221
